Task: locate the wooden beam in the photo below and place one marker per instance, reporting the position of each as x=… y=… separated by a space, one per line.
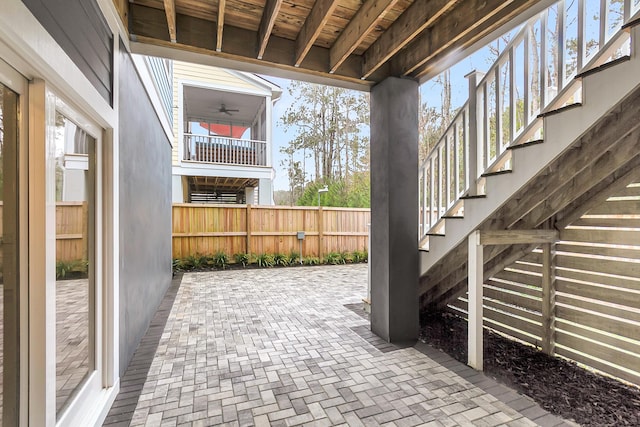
x=170 y=11
x=476 y=279
x=548 y=299
x=313 y=25
x=414 y=20
x=470 y=21
x=197 y=44
x=518 y=237
x=220 y=24
x=271 y=9
x=362 y=23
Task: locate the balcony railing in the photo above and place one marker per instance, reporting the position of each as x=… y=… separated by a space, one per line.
x=223 y=150
x=535 y=73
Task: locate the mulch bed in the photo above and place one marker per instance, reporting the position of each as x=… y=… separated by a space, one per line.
x=557 y=385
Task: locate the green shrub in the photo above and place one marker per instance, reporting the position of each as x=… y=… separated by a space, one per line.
x=311 y=260
x=359 y=256
x=347 y=257
x=195 y=262
x=281 y=260
x=294 y=258
x=334 y=258
x=220 y=260
x=244 y=259
x=78 y=267
x=265 y=260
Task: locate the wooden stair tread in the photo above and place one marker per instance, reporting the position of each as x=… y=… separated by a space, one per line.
x=604 y=66
x=525 y=144
x=559 y=110
x=502 y=172
x=478 y=196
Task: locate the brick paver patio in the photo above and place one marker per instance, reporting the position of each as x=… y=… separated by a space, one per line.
x=289 y=347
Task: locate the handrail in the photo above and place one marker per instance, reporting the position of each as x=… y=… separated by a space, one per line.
x=532 y=75
x=224 y=150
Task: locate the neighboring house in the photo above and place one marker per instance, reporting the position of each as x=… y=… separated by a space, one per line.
x=223 y=145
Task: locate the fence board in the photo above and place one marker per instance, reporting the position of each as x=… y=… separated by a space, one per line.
x=206 y=229
x=624 y=374
x=618 y=342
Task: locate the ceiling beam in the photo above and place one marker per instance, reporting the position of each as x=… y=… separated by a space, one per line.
x=469 y=22
x=313 y=25
x=414 y=20
x=170 y=10
x=197 y=44
x=220 y=24
x=362 y=23
x=269 y=15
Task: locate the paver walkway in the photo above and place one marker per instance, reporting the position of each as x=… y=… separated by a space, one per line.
x=285 y=347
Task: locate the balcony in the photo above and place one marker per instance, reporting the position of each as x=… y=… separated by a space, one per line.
x=224 y=150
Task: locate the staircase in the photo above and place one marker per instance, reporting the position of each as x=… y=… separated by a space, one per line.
x=540 y=170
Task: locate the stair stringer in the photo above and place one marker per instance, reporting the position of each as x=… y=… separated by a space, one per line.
x=601 y=92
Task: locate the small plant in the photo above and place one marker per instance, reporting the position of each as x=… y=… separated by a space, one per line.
x=281 y=260
x=220 y=260
x=244 y=259
x=194 y=262
x=347 y=257
x=294 y=258
x=78 y=267
x=359 y=256
x=334 y=258
x=265 y=260
x=311 y=260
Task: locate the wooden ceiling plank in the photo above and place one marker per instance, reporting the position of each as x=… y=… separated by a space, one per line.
x=420 y=15
x=170 y=10
x=220 y=23
x=197 y=44
x=317 y=19
x=471 y=21
x=363 y=22
x=269 y=15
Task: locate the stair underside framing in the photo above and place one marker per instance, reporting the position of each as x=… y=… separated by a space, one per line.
x=588 y=153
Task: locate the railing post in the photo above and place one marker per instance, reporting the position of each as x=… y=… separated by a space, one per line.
x=475 y=272
x=474 y=152
x=548 y=299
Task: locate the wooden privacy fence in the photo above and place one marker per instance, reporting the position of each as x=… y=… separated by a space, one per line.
x=71 y=231
x=207 y=229
x=591 y=313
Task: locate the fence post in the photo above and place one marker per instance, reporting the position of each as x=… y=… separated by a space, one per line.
x=320 y=232
x=548 y=299
x=474 y=151
x=475 y=272
x=248 y=228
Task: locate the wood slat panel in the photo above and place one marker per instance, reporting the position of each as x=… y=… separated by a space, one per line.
x=590 y=276
x=618 y=342
x=609 y=295
x=599 y=308
x=614 y=326
x=516 y=287
x=608 y=266
x=632 y=377
x=512 y=298
x=518 y=277
x=589 y=235
x=626 y=207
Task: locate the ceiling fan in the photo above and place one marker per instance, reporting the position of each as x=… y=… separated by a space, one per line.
x=225 y=110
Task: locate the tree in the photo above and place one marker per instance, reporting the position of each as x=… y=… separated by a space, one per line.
x=327 y=121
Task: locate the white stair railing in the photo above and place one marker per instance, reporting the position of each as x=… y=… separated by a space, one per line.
x=534 y=74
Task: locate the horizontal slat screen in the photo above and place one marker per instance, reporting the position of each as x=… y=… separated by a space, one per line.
x=597 y=290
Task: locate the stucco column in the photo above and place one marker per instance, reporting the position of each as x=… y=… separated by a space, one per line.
x=394 y=210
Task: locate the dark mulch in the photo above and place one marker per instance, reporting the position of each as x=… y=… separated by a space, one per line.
x=559 y=386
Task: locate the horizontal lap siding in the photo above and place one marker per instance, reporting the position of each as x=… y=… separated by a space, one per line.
x=597 y=316
x=80 y=29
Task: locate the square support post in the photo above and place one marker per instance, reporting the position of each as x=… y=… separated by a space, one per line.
x=475 y=267
x=394 y=210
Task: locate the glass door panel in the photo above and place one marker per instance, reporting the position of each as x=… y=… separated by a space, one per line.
x=75 y=264
x=9 y=387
